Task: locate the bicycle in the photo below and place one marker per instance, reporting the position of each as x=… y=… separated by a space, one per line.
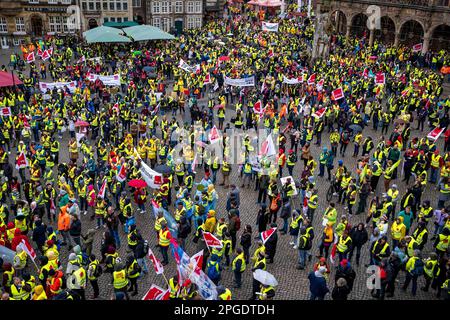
x=332 y=190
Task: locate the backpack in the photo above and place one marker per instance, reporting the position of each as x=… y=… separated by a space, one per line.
x=237 y=224
x=418 y=268
x=212 y=272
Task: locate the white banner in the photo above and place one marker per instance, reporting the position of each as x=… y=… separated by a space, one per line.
x=43 y=86
x=242 y=82
x=268 y=26
x=153 y=178
x=292 y=80
x=113 y=80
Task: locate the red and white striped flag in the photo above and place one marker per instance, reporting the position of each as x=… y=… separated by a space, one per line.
x=159 y=268
x=45 y=55
x=258 y=108
x=122 y=174
x=435 y=133
x=380 y=78
x=102 y=191
x=30 y=57
x=312 y=79
x=198 y=260
x=337 y=94
x=319 y=85
x=153 y=293
x=22 y=161
x=25 y=245
x=266 y=234
x=212 y=241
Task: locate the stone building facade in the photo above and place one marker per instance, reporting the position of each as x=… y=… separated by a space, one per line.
x=407 y=22
x=20 y=19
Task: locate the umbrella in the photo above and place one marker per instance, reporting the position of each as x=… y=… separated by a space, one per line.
x=6 y=79
x=164 y=169
x=137 y=183
x=105 y=34
x=80 y=123
x=355 y=127
x=265 y=278
x=146 y=32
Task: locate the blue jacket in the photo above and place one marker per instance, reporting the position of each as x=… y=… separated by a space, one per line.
x=317 y=285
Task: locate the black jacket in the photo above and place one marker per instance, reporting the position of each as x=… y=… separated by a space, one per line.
x=340 y=293
x=139 y=251
x=75 y=228
x=39 y=235
x=246 y=240
x=359 y=237
x=347 y=273
x=184 y=229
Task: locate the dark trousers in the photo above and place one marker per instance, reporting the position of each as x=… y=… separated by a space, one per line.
x=133 y=285
x=94 y=284
x=358 y=253
x=238 y=278
x=262 y=195
x=408 y=279
x=164 y=254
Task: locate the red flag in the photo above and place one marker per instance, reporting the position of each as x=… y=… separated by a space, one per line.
x=365 y=73
x=50 y=51
x=28 y=249
x=165 y=295
x=39 y=52
x=337 y=94
x=319 y=85
x=266 y=234
x=159 y=269
x=380 y=78
x=81 y=60
x=417 y=47
x=122 y=174
x=435 y=133
x=153 y=293
x=102 y=191
x=214 y=135
x=319 y=113
x=212 y=241
x=198 y=259
x=21 y=161
x=45 y=55
x=333 y=253
x=5 y=112
x=258 y=108
x=207 y=79
x=312 y=79
x=30 y=57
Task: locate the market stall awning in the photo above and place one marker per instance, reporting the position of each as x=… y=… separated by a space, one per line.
x=266 y=3
x=6 y=79
x=105 y=34
x=124 y=24
x=146 y=32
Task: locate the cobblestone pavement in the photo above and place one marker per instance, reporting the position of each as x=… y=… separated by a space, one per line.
x=293 y=283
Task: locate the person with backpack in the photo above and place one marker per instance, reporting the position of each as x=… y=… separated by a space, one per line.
x=303 y=245
x=140 y=253
x=94 y=272
x=414 y=269
x=213 y=269
x=133 y=273
x=345 y=140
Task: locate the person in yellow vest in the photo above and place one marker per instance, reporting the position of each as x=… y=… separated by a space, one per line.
x=442 y=241
x=398 y=231
x=164 y=242
x=120 y=279
x=267 y=292
x=223 y=293
x=238 y=267
x=20 y=260
x=39 y=293
x=431 y=271
x=414 y=268
x=133 y=273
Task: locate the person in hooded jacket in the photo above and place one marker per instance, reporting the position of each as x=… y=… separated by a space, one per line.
x=39 y=236
x=359 y=236
x=394 y=265
x=345 y=270
x=271 y=244
x=184 y=229
x=340 y=290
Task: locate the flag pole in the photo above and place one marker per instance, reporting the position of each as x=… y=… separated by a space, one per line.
x=165 y=279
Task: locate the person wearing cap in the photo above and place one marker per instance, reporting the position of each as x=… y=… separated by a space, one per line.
x=317 y=284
